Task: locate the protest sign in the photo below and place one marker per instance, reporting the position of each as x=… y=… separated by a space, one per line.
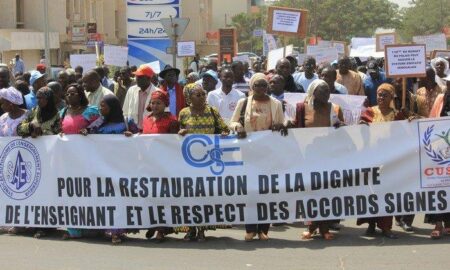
x=186 y=48
x=156 y=66
x=405 y=60
x=366 y=51
x=312 y=174
x=432 y=42
x=273 y=57
x=360 y=41
x=385 y=39
x=322 y=54
x=440 y=53
x=87 y=61
x=287 y=21
x=341 y=47
x=116 y=55
x=243 y=59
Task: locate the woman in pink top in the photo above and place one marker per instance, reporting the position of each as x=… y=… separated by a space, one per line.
x=77 y=115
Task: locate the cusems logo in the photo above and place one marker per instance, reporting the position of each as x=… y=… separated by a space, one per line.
x=201 y=151
x=435 y=153
x=20 y=169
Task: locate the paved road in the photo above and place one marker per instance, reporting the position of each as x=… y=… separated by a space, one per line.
x=225 y=249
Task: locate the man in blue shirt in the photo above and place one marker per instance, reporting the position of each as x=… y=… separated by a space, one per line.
x=37 y=81
x=308 y=76
x=374 y=79
x=19 y=66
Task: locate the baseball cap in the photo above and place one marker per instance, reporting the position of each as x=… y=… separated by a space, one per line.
x=144 y=70
x=212 y=74
x=35 y=75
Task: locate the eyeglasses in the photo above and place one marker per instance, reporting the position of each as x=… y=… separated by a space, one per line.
x=260 y=85
x=71 y=94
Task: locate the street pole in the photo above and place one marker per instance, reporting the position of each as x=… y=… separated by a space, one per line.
x=174 y=43
x=47 y=39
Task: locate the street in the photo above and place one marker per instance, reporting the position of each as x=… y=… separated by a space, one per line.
x=225 y=249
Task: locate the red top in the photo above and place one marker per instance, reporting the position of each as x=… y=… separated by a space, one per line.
x=160 y=126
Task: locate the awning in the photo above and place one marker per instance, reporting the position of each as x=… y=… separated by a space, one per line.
x=26 y=39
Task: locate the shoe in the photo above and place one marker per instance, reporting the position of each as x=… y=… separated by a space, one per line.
x=407 y=228
x=389 y=234
x=335 y=227
x=249 y=236
x=201 y=236
x=191 y=236
x=371 y=231
x=149 y=234
x=262 y=236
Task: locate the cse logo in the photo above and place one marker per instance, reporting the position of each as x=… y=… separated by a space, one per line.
x=201 y=151
x=20 y=169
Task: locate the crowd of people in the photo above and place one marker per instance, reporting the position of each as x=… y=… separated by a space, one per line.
x=213 y=99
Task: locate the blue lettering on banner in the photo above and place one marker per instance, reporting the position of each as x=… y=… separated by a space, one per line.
x=212 y=152
x=150 y=31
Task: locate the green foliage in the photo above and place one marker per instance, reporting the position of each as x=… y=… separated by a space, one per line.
x=245 y=24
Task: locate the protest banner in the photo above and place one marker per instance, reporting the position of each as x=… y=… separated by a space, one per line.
x=385 y=39
x=87 y=61
x=287 y=21
x=402 y=61
x=440 y=53
x=312 y=174
x=351 y=106
x=322 y=54
x=186 y=48
x=115 y=55
x=432 y=42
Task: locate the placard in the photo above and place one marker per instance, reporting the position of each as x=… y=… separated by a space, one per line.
x=273 y=57
x=405 y=60
x=116 y=55
x=287 y=21
x=432 y=42
x=440 y=53
x=341 y=47
x=87 y=61
x=385 y=39
x=322 y=54
x=243 y=59
x=186 y=48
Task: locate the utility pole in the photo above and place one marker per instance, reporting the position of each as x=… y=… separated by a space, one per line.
x=47 y=39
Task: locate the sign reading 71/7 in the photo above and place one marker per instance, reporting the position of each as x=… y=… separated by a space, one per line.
x=153 y=15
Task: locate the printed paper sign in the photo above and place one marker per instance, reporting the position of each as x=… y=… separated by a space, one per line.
x=286 y=21
x=116 y=55
x=185 y=48
x=405 y=60
x=87 y=61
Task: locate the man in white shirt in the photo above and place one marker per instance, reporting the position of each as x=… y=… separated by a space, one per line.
x=225 y=98
x=138 y=96
x=93 y=88
x=308 y=76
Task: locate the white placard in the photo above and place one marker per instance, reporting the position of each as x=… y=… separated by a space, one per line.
x=87 y=61
x=340 y=47
x=385 y=39
x=285 y=21
x=273 y=57
x=185 y=48
x=405 y=60
x=156 y=66
x=358 y=41
x=116 y=55
x=243 y=59
x=433 y=42
x=366 y=51
x=322 y=54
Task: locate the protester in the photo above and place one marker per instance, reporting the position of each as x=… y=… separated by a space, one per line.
x=19 y=65
x=283 y=68
x=225 y=99
x=105 y=81
x=276 y=90
x=93 y=88
x=329 y=75
x=124 y=82
x=373 y=81
x=10 y=100
x=66 y=77
x=139 y=95
x=37 y=81
x=255 y=113
x=111 y=120
x=240 y=82
x=171 y=86
x=41 y=68
x=348 y=78
x=426 y=95
x=59 y=95
x=78 y=73
x=308 y=76
x=4 y=80
x=441 y=68
x=210 y=80
x=383 y=112
x=195 y=63
x=199 y=118
x=192 y=77
x=248 y=72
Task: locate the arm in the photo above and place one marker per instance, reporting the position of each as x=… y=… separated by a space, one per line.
x=25 y=128
x=234 y=121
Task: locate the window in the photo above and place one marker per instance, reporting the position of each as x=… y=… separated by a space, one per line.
x=20 y=22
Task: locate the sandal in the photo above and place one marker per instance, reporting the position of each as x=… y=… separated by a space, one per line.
x=307 y=235
x=190 y=236
x=436 y=234
x=328 y=236
x=38 y=234
x=159 y=236
x=249 y=236
x=263 y=237
x=115 y=239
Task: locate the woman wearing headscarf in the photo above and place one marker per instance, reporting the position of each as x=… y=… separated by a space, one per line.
x=441 y=68
x=190 y=78
x=384 y=112
x=258 y=112
x=43 y=120
x=158 y=122
x=199 y=118
x=317 y=111
x=10 y=100
x=441 y=108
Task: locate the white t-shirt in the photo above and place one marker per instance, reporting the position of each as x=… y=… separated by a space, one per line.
x=300 y=79
x=225 y=104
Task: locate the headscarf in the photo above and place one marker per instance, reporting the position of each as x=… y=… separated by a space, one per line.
x=389 y=88
x=115 y=110
x=161 y=95
x=12 y=95
x=257 y=77
x=312 y=88
x=50 y=110
x=194 y=76
x=189 y=89
x=437 y=60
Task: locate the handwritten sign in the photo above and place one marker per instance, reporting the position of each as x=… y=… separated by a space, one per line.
x=116 y=55
x=185 y=48
x=405 y=60
x=287 y=21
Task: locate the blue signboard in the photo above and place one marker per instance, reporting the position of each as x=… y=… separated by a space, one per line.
x=143 y=51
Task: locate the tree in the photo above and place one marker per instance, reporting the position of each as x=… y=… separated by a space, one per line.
x=245 y=24
x=425 y=17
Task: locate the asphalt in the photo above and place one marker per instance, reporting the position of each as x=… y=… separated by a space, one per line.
x=226 y=249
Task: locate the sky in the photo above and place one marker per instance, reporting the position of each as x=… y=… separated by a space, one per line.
x=401 y=3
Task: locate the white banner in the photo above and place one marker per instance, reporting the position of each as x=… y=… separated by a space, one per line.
x=116 y=55
x=351 y=106
x=110 y=181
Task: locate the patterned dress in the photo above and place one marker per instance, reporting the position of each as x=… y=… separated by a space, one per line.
x=8 y=126
x=49 y=127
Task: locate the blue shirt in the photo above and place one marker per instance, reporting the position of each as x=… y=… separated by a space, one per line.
x=31 y=100
x=300 y=79
x=19 y=67
x=172 y=101
x=371 y=86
